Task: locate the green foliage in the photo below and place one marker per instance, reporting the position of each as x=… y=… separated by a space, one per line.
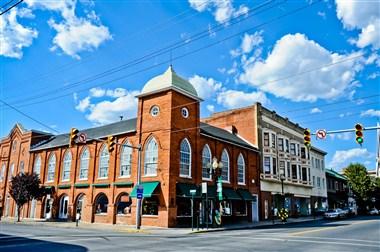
x=25 y=187
x=359 y=181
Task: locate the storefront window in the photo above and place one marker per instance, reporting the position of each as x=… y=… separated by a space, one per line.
x=150 y=206
x=101 y=204
x=183 y=207
x=124 y=204
x=206 y=162
x=227 y=207
x=240 y=208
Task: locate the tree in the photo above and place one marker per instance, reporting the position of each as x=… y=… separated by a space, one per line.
x=23 y=188
x=360 y=183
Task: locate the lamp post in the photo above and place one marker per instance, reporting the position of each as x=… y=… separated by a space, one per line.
x=216 y=171
x=282 y=178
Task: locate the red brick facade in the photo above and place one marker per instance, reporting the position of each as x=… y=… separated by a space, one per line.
x=168 y=128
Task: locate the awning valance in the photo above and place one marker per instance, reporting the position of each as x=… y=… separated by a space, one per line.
x=148 y=187
x=183 y=190
x=231 y=194
x=245 y=194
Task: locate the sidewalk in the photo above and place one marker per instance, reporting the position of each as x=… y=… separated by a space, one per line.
x=155 y=230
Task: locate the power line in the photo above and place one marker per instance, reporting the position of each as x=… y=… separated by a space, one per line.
x=11 y=7
x=156 y=53
x=178 y=57
x=120 y=43
x=28 y=116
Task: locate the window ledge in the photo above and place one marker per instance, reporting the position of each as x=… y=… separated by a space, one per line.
x=150 y=216
x=123 y=215
x=240 y=183
x=83 y=179
x=207 y=179
x=150 y=175
x=103 y=178
x=185 y=176
x=226 y=182
x=125 y=176
x=65 y=180
x=101 y=214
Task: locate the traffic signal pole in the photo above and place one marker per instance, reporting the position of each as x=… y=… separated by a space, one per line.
x=349 y=130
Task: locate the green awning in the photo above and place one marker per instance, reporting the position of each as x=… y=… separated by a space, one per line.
x=101 y=185
x=121 y=184
x=245 y=194
x=82 y=185
x=149 y=188
x=231 y=194
x=183 y=190
x=66 y=186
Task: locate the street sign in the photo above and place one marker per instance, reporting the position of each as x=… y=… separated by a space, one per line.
x=140 y=192
x=82 y=137
x=193 y=192
x=321 y=134
x=204 y=187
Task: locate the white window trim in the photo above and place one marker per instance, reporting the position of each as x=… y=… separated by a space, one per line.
x=80 y=163
x=100 y=158
x=229 y=166
x=55 y=165
x=244 y=170
x=63 y=166
x=121 y=155
x=190 y=163
x=209 y=178
x=125 y=176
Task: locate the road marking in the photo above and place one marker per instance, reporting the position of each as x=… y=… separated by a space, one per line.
x=330 y=228
x=312 y=241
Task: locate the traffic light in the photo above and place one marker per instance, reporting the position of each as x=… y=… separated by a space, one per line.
x=307 y=138
x=73 y=136
x=111 y=143
x=359 y=133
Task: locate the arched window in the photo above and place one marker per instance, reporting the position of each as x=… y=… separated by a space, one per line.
x=125 y=161
x=22 y=167
x=101 y=204
x=241 y=169
x=51 y=168
x=11 y=171
x=226 y=166
x=37 y=166
x=103 y=163
x=2 y=172
x=185 y=159
x=151 y=158
x=66 y=166
x=206 y=162
x=84 y=162
x=123 y=204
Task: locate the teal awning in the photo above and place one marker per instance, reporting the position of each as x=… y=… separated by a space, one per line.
x=101 y=185
x=82 y=185
x=65 y=186
x=231 y=194
x=149 y=188
x=121 y=184
x=245 y=194
x=183 y=190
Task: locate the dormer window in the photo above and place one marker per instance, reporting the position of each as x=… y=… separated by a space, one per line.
x=185 y=112
x=155 y=110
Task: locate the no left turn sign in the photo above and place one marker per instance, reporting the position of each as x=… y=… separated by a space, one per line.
x=321 y=134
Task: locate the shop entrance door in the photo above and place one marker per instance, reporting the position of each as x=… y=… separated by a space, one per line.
x=63 y=205
x=255 y=209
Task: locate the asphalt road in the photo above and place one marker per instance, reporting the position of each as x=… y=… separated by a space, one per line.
x=357 y=234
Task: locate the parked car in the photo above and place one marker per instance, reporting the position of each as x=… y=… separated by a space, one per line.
x=335 y=214
x=373 y=211
x=349 y=211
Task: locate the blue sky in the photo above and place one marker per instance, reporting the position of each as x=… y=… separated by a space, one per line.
x=80 y=63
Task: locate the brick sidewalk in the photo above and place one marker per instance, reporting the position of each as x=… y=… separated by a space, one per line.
x=154 y=230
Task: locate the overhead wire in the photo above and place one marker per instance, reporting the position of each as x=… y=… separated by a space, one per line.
x=153 y=54
x=11 y=7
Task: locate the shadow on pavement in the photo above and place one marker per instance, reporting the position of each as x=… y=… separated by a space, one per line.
x=17 y=243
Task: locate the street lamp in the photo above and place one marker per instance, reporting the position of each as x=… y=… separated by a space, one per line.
x=282 y=178
x=216 y=172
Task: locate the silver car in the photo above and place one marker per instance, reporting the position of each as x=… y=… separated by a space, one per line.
x=335 y=214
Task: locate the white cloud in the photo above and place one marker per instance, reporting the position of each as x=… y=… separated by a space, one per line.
x=322 y=14
x=236 y=99
x=315 y=110
x=223 y=10
x=249 y=41
x=14 y=36
x=373 y=76
x=83 y=104
x=74 y=34
x=371 y=113
x=296 y=55
x=210 y=108
x=362 y=15
x=97 y=92
x=344 y=157
x=344 y=136
x=206 y=88
x=107 y=111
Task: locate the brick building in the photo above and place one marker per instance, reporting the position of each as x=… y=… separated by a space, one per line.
x=280 y=142
x=177 y=150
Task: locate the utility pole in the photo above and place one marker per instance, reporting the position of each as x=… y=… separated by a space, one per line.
x=138 y=207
